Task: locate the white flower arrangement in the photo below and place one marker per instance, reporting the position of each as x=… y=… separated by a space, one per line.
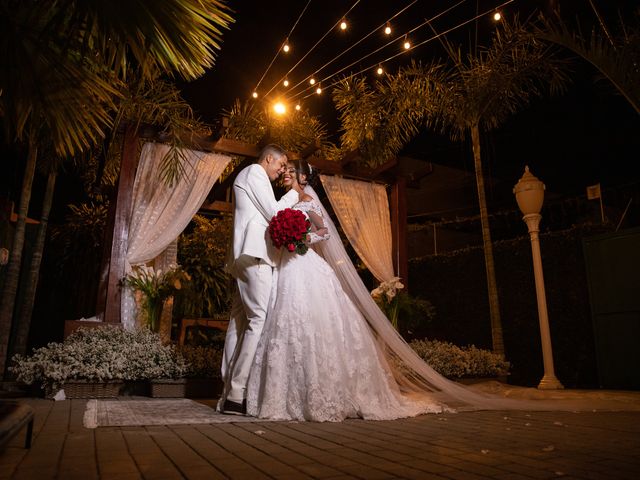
x=387 y=291
x=453 y=361
x=100 y=354
x=386 y=296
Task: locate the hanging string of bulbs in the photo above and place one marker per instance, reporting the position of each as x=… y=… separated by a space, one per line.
x=316 y=85
x=406 y=46
x=496 y=16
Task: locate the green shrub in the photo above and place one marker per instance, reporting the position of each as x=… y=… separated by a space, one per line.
x=453 y=361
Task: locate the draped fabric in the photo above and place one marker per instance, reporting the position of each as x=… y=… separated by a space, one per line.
x=160 y=212
x=363 y=211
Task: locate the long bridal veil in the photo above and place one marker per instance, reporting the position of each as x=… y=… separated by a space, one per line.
x=413 y=375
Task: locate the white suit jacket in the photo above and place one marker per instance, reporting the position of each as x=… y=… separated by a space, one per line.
x=255 y=205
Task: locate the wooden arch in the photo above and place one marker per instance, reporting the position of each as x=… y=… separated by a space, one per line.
x=117 y=230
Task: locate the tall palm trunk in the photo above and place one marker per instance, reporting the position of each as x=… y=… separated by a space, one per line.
x=8 y=300
x=23 y=322
x=492 y=288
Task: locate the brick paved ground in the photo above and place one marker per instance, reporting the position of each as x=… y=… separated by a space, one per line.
x=495 y=445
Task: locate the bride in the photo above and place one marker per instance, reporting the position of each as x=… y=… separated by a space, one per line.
x=327 y=352
x=317 y=359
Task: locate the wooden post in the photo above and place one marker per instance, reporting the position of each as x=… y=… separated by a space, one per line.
x=117 y=232
x=398 y=208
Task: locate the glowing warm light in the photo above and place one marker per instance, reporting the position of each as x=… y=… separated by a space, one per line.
x=279 y=108
x=379 y=71
x=254 y=94
x=298 y=107
x=318 y=90
x=497 y=16
x=286 y=83
x=407 y=45
x=286 y=47
x=343 y=25
x=387 y=29
x=312 y=81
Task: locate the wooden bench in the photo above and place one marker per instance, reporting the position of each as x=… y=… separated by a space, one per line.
x=13 y=416
x=201 y=322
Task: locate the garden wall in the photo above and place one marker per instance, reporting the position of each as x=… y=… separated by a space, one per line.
x=456 y=285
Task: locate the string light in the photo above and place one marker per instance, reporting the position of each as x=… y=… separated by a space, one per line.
x=318 y=90
x=416 y=46
x=312 y=81
x=280 y=108
x=497 y=16
x=343 y=24
x=286 y=83
x=374 y=30
x=254 y=94
x=298 y=106
x=407 y=43
x=379 y=71
x=286 y=47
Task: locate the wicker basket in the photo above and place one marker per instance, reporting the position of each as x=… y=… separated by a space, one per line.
x=168 y=388
x=87 y=389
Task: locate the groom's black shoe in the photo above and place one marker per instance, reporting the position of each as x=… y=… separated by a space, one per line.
x=234 y=408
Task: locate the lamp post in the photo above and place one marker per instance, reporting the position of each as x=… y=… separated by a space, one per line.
x=529 y=192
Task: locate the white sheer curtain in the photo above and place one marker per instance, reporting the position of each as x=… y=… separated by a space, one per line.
x=363 y=211
x=160 y=212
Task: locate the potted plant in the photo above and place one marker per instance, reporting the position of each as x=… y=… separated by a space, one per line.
x=96 y=362
x=156 y=286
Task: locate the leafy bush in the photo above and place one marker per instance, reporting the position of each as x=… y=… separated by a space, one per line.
x=202 y=253
x=202 y=361
x=100 y=354
x=453 y=361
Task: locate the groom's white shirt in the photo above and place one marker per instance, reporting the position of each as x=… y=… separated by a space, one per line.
x=255 y=205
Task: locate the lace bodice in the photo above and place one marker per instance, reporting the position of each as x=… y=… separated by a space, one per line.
x=319 y=231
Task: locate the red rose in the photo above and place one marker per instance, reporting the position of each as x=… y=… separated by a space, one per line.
x=288 y=228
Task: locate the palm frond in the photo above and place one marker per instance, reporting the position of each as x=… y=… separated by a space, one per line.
x=617 y=58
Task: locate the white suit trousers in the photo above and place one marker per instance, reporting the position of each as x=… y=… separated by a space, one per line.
x=248 y=313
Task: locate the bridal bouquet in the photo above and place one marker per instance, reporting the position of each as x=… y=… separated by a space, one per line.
x=289 y=228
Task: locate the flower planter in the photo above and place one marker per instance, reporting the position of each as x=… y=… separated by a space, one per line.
x=88 y=389
x=168 y=388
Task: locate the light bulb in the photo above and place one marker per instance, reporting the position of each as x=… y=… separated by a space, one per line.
x=387 y=29
x=279 y=108
x=497 y=16
x=379 y=71
x=286 y=46
x=312 y=81
x=254 y=94
x=343 y=25
x=286 y=83
x=298 y=107
x=407 y=44
x=318 y=90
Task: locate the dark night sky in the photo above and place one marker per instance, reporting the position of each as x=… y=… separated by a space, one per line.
x=587 y=135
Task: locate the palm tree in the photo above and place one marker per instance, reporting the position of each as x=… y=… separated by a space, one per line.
x=62 y=69
x=470 y=93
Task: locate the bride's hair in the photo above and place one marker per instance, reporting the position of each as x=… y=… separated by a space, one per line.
x=303 y=167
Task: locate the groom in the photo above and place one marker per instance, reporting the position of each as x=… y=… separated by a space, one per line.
x=251 y=261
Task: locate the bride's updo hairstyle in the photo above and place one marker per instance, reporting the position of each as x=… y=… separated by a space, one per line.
x=303 y=167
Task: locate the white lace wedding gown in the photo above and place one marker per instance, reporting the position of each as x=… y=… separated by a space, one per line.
x=317 y=360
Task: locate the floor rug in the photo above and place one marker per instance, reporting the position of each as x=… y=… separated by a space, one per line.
x=182 y=411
